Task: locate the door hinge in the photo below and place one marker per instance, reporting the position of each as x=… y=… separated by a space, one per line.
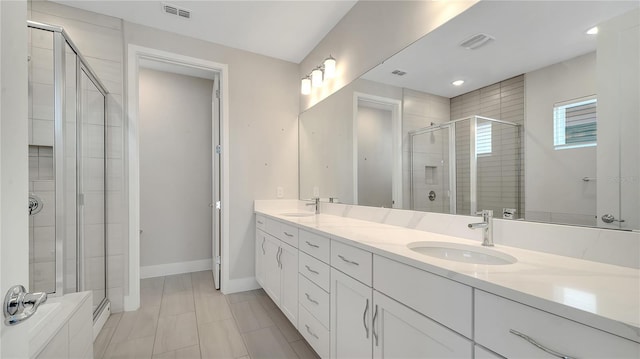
x=218 y=260
x=217 y=93
x=218 y=205
x=218 y=149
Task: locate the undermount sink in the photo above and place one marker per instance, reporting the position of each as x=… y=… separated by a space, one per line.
x=462 y=253
x=298 y=214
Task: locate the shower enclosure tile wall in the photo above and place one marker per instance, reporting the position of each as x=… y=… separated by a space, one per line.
x=100 y=39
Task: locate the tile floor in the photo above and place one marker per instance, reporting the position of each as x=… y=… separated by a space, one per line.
x=183 y=316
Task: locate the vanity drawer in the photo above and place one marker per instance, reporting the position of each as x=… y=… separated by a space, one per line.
x=315 y=334
x=445 y=301
x=497 y=318
x=285 y=232
x=314 y=270
x=314 y=299
x=352 y=261
x=260 y=222
x=315 y=245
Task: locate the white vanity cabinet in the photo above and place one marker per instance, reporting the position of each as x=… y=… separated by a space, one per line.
x=510 y=329
x=277 y=267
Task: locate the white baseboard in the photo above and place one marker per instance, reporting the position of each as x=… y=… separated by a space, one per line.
x=240 y=285
x=162 y=270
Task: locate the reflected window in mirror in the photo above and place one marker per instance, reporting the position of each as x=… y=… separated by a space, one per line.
x=575 y=123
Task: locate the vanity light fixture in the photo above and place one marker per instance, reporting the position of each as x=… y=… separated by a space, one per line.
x=316 y=78
x=305 y=87
x=457 y=82
x=592 y=31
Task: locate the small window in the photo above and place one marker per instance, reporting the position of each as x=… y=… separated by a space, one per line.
x=575 y=123
x=483 y=138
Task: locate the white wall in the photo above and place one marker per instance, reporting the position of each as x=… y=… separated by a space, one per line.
x=371 y=32
x=14 y=235
x=374 y=155
x=554 y=188
x=175 y=168
x=263 y=131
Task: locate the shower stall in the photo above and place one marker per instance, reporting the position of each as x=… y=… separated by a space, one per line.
x=466 y=165
x=67 y=161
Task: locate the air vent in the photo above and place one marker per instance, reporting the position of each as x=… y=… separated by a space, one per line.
x=476 y=41
x=399 y=72
x=176 y=11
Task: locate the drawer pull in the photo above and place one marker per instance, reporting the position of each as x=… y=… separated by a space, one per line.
x=288 y=234
x=310 y=332
x=311 y=300
x=538 y=345
x=260 y=222
x=312 y=245
x=348 y=261
x=364 y=318
x=278 y=257
x=311 y=270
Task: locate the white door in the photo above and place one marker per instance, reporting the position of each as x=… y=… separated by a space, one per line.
x=217 y=208
x=261 y=241
x=289 y=279
x=351 y=310
x=272 y=269
x=400 y=332
x=14 y=233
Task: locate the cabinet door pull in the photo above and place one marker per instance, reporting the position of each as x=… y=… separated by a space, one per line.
x=278 y=257
x=310 y=332
x=312 y=245
x=539 y=346
x=311 y=270
x=348 y=261
x=364 y=318
x=288 y=234
x=311 y=300
x=373 y=325
x=263 y=240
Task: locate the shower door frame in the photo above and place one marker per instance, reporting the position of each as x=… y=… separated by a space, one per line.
x=473 y=159
x=60 y=39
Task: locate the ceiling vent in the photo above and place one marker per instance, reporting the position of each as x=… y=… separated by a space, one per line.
x=399 y=72
x=476 y=41
x=176 y=11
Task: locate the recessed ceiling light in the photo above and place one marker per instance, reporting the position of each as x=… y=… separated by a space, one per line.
x=592 y=31
x=457 y=82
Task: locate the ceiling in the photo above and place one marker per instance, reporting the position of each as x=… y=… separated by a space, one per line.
x=528 y=35
x=286 y=30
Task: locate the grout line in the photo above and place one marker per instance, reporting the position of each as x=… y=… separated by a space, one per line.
x=195 y=310
x=155 y=336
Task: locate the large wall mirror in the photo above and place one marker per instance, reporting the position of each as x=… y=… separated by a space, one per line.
x=544 y=127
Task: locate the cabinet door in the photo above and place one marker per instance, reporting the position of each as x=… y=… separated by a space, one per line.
x=261 y=240
x=271 y=267
x=400 y=332
x=289 y=275
x=351 y=308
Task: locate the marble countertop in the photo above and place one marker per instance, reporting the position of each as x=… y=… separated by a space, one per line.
x=599 y=295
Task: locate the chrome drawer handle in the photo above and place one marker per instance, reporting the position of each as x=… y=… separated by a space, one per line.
x=373 y=325
x=348 y=261
x=263 y=240
x=312 y=245
x=539 y=346
x=310 y=332
x=311 y=270
x=288 y=234
x=311 y=300
x=364 y=318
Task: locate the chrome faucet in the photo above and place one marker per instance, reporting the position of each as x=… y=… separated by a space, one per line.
x=316 y=202
x=487 y=227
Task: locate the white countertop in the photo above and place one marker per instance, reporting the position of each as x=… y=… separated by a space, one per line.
x=600 y=295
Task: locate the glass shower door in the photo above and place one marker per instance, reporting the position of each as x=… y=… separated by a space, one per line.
x=430 y=170
x=91 y=183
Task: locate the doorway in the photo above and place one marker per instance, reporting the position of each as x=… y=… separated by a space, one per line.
x=180 y=194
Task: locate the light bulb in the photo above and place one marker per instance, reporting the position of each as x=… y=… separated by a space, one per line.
x=329 y=67
x=305 y=86
x=316 y=77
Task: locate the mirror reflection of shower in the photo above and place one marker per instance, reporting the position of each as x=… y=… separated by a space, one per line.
x=67 y=223
x=471 y=163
